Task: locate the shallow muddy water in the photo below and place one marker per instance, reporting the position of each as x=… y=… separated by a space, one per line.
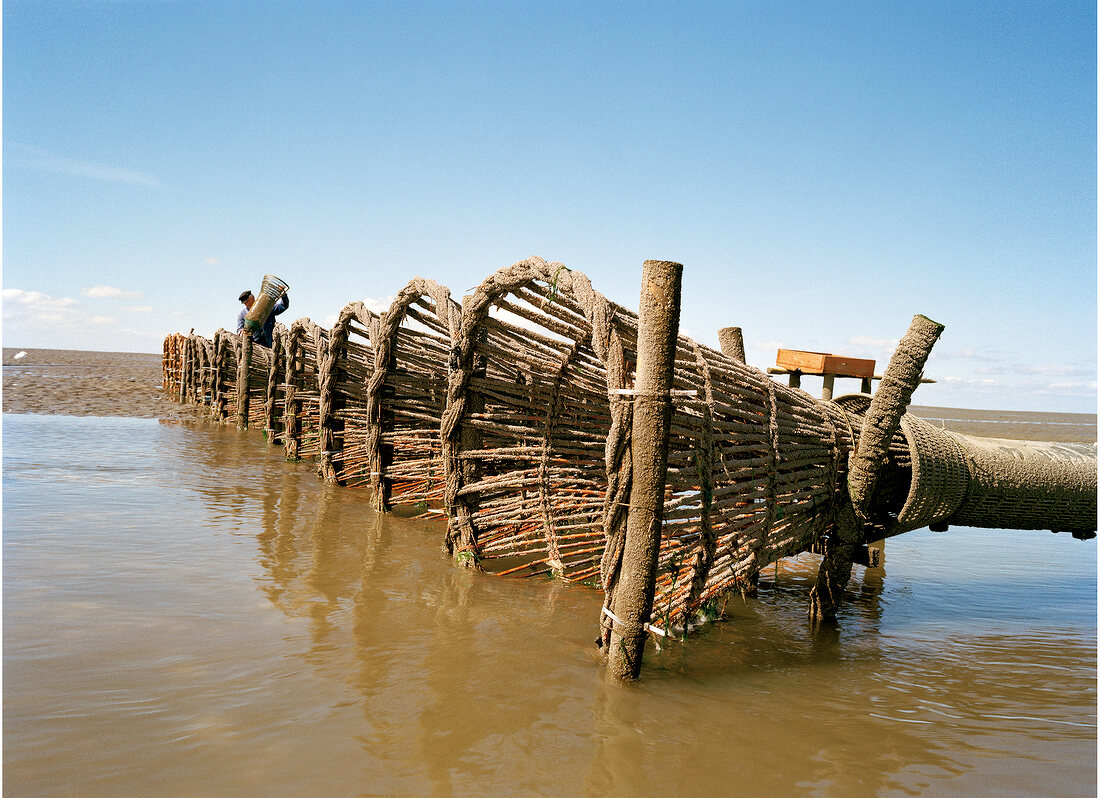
x=187 y=614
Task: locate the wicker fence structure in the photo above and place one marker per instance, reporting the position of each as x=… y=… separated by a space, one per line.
x=511 y=414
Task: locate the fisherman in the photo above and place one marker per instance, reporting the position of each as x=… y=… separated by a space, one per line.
x=264 y=335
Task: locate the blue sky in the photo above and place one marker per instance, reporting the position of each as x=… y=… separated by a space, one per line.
x=824 y=171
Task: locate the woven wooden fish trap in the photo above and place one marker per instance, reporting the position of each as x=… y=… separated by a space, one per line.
x=187 y=370
x=516 y=409
x=245 y=399
x=172 y=364
x=406 y=395
x=223 y=399
x=198 y=370
x=912 y=491
x=934 y=477
x=1028 y=485
x=754 y=467
x=259 y=374
x=347 y=366
x=275 y=396
x=304 y=350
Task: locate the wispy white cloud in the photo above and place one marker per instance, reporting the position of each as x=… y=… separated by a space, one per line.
x=1014 y=379
x=1054 y=370
x=211 y=261
x=33 y=312
x=139 y=309
x=867 y=342
x=951 y=380
x=1045 y=370
x=109 y=292
x=24 y=156
x=378 y=305
x=766 y=346
x=36 y=299
x=38 y=311
x=959 y=354
x=1077 y=387
x=145 y=335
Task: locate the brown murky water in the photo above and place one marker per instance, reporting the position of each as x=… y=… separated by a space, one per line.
x=186 y=614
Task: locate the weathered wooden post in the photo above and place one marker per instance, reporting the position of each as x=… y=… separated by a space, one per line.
x=732 y=344
x=187 y=368
x=331 y=372
x=199 y=374
x=462 y=397
x=219 y=409
x=901 y=378
x=631 y=601
x=209 y=373
x=292 y=423
x=244 y=367
x=275 y=379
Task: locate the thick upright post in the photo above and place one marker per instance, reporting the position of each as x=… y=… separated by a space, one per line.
x=470 y=438
x=274 y=386
x=732 y=344
x=244 y=367
x=187 y=368
x=330 y=373
x=901 y=378
x=632 y=594
x=292 y=424
x=219 y=410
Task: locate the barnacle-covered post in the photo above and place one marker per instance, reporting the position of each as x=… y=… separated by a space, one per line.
x=244 y=368
x=883 y=419
x=224 y=374
x=332 y=371
x=732 y=343
x=631 y=600
x=187 y=370
x=206 y=377
x=274 y=404
x=292 y=423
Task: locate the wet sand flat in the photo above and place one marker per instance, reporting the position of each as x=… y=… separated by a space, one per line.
x=128 y=384
x=83 y=383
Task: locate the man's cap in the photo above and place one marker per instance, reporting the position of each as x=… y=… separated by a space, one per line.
x=244 y=295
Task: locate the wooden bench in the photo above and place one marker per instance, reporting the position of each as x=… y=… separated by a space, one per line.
x=797 y=362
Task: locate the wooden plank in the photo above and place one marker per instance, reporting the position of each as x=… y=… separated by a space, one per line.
x=798 y=360
x=824 y=363
x=843 y=366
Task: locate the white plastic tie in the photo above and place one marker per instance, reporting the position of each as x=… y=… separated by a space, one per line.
x=646 y=626
x=654 y=394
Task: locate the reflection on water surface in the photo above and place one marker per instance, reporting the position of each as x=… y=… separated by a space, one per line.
x=185 y=613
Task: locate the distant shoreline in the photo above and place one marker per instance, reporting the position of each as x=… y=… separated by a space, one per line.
x=93 y=383
x=87 y=383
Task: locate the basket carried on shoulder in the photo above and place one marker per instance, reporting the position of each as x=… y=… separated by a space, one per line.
x=270 y=291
